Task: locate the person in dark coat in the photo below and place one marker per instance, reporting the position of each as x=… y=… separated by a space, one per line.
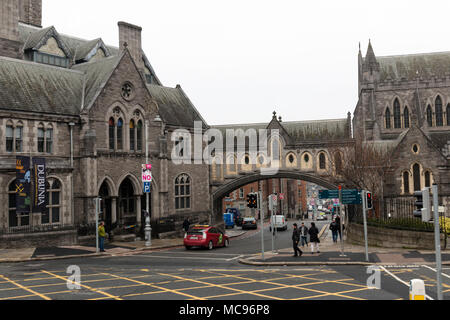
x=334 y=230
x=186 y=224
x=338 y=222
x=314 y=237
x=295 y=241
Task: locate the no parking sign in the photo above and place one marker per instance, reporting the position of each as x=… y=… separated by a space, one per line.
x=147 y=177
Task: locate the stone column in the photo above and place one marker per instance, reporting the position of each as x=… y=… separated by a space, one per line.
x=114 y=210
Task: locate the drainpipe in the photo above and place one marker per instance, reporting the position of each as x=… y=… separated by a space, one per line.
x=71 y=125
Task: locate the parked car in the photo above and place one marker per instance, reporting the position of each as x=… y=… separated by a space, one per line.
x=322 y=217
x=228 y=218
x=279 y=222
x=237 y=216
x=205 y=237
x=249 y=223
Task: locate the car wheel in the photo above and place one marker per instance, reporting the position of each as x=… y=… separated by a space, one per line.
x=188 y=247
x=210 y=245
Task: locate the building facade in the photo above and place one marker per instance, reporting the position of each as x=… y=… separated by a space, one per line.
x=404 y=105
x=87 y=109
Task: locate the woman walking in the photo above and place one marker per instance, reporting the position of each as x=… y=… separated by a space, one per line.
x=314 y=237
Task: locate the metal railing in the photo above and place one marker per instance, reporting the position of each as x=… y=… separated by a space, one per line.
x=394 y=213
x=36 y=228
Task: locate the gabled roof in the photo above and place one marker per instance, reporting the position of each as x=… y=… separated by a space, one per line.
x=97 y=75
x=33 y=87
x=320 y=130
x=175 y=107
x=85 y=51
x=39 y=38
x=414 y=65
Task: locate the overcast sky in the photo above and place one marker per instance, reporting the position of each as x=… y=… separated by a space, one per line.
x=239 y=60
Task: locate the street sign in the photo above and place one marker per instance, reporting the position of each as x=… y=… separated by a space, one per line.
x=351 y=196
x=147 y=173
x=147 y=187
x=281 y=196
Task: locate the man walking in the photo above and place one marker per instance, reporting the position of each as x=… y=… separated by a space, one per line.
x=334 y=230
x=186 y=224
x=101 y=236
x=338 y=222
x=314 y=237
x=295 y=241
x=304 y=235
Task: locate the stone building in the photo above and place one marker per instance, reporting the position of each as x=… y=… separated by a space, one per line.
x=86 y=107
x=404 y=104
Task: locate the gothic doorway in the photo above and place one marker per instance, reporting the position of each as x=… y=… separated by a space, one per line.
x=106 y=207
x=127 y=204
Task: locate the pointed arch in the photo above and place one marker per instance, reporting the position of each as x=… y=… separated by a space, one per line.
x=438 y=112
x=111 y=186
x=387 y=118
x=397 y=114
x=406 y=120
x=429 y=116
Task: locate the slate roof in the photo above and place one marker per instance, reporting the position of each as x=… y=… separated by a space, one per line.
x=32 y=87
x=406 y=66
x=175 y=107
x=302 y=131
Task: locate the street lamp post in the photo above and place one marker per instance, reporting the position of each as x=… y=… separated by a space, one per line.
x=148 y=228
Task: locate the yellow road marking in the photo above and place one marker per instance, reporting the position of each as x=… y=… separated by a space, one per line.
x=25 y=288
x=223 y=286
x=84 y=286
x=155 y=286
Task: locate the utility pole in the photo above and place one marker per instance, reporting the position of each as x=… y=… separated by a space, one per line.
x=437 y=239
x=341 y=222
x=261 y=215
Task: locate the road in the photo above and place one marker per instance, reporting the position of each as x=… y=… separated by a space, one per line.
x=177 y=274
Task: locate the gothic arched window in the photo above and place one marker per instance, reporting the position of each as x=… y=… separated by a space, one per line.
x=427 y=179
x=388 y=118
x=53 y=213
x=322 y=161
x=438 y=111
x=397 y=116
x=406 y=117
x=429 y=116
x=120 y=134
x=416 y=174
x=182 y=192
x=132 y=136
x=406 y=182
x=15 y=219
x=112 y=133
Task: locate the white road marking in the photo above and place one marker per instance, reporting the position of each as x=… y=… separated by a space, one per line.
x=400 y=280
x=184 y=258
x=445 y=275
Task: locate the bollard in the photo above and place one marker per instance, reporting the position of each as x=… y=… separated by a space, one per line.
x=417 y=290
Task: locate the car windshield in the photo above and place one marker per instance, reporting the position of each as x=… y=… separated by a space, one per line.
x=196 y=231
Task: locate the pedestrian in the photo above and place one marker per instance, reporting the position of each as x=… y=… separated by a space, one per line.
x=186 y=224
x=314 y=237
x=338 y=222
x=296 y=240
x=304 y=235
x=334 y=230
x=101 y=236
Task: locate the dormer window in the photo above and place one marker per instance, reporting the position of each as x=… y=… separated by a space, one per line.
x=46 y=58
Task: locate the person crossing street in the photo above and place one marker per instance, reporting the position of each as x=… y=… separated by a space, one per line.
x=296 y=240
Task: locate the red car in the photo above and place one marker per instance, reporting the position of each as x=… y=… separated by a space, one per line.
x=206 y=237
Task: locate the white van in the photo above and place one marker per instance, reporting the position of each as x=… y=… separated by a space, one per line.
x=279 y=222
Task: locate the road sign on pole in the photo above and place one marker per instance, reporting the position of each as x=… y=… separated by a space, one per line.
x=437 y=239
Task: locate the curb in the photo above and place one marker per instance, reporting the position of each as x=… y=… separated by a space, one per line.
x=306 y=263
x=93 y=255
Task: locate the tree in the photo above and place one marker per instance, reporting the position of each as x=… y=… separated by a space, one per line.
x=363 y=165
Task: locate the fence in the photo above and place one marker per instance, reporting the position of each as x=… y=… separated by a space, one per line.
x=394 y=213
x=36 y=229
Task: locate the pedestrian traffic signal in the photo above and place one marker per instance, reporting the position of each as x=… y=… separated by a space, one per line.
x=369 y=200
x=418 y=195
x=252 y=200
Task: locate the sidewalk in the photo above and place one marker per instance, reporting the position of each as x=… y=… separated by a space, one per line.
x=112 y=249
x=331 y=254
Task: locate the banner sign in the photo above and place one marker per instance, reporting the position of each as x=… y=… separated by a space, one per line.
x=23 y=185
x=147 y=173
x=40 y=181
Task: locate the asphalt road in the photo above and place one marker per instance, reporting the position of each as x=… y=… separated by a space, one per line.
x=178 y=274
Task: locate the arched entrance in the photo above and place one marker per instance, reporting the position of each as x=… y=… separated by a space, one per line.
x=127 y=203
x=106 y=206
x=222 y=191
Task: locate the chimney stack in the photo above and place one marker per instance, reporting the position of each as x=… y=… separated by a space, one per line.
x=9 y=29
x=130 y=37
x=30 y=12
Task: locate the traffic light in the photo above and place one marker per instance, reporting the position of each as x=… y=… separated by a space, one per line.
x=418 y=195
x=369 y=200
x=252 y=200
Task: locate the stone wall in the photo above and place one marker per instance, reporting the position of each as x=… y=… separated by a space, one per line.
x=392 y=238
x=44 y=239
